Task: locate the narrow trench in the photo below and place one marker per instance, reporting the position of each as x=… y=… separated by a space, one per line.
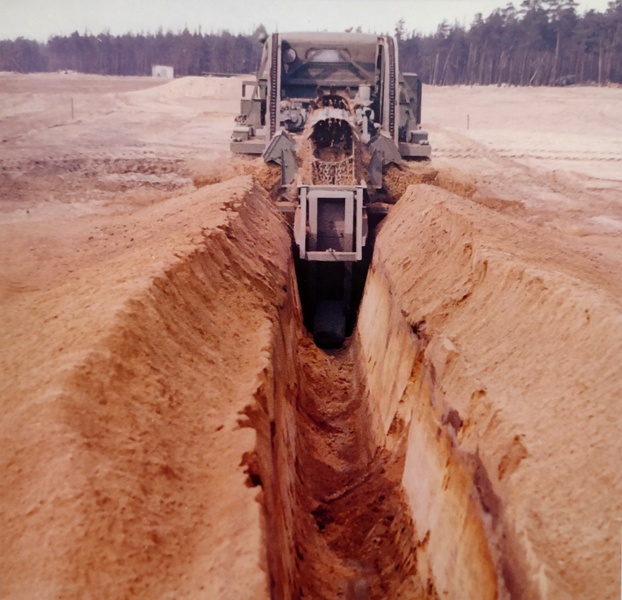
x=354 y=535
x=337 y=523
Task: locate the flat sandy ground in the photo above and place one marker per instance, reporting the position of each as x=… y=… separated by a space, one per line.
x=86 y=162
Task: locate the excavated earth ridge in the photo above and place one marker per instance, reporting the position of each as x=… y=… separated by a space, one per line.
x=382 y=471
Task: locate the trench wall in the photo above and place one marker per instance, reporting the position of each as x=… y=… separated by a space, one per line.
x=336 y=519
x=487 y=355
x=120 y=442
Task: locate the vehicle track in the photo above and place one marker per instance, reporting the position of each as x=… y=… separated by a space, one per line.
x=467 y=147
x=542 y=189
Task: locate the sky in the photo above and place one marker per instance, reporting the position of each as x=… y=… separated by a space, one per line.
x=40 y=19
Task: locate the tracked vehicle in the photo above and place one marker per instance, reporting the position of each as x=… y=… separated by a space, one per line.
x=333 y=110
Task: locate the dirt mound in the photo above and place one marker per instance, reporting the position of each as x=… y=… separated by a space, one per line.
x=489 y=300
x=120 y=446
x=208 y=172
x=397 y=179
x=222 y=88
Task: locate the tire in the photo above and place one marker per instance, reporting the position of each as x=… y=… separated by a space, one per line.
x=329 y=324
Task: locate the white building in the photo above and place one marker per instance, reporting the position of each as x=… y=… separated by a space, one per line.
x=162 y=71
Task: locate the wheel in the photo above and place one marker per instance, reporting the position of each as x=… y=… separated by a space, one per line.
x=329 y=324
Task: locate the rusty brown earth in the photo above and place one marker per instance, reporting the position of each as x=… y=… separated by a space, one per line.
x=168 y=428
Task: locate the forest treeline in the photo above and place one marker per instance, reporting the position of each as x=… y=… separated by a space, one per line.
x=541 y=42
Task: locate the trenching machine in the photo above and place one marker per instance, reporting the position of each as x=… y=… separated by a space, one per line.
x=333 y=110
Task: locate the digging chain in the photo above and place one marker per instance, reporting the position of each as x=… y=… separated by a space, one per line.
x=274 y=83
x=333 y=173
x=392 y=97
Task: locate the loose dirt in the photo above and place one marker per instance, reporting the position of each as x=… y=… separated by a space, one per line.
x=169 y=430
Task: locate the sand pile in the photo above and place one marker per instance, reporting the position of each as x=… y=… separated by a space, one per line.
x=208 y=172
x=120 y=446
x=397 y=179
x=512 y=401
x=204 y=88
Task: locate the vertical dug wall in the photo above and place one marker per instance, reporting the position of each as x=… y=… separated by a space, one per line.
x=485 y=341
x=452 y=534
x=337 y=521
x=350 y=448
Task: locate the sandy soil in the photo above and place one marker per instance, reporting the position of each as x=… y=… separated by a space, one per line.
x=143 y=286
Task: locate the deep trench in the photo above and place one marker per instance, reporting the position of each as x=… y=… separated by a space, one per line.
x=334 y=432
x=365 y=493
x=337 y=522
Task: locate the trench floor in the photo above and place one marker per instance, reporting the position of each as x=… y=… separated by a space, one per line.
x=356 y=538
